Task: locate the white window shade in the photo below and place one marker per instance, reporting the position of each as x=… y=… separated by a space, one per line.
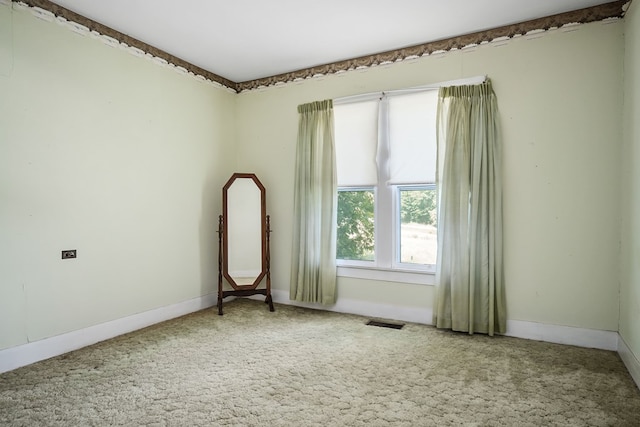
x=412 y=138
x=356 y=136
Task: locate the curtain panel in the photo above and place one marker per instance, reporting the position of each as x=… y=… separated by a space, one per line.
x=313 y=270
x=470 y=294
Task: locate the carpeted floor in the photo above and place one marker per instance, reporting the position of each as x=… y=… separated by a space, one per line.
x=301 y=367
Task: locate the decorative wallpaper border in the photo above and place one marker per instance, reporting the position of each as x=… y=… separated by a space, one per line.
x=581 y=16
x=119 y=37
x=615 y=9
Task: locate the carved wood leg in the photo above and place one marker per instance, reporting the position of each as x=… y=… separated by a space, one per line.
x=269 y=300
x=220 y=229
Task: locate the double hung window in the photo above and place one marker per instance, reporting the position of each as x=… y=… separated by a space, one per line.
x=386 y=163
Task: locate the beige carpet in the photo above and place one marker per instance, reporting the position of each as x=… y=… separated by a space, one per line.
x=300 y=367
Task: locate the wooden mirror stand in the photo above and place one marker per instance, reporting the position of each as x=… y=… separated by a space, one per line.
x=243 y=239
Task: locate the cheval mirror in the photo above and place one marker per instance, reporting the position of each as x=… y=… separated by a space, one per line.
x=243 y=239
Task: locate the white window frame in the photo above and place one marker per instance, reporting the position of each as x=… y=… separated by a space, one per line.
x=355 y=262
x=386 y=264
x=384 y=267
x=397 y=224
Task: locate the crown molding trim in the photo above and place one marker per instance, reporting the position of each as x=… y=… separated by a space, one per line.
x=612 y=10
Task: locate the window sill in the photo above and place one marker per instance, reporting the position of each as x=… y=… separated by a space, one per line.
x=388 y=275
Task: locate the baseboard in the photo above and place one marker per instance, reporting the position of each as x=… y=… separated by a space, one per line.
x=363 y=308
x=27 y=354
x=581 y=337
x=606 y=340
x=630 y=360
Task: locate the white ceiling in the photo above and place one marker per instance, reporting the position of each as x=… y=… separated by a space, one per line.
x=244 y=40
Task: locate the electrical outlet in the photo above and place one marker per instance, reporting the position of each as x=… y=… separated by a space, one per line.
x=69 y=254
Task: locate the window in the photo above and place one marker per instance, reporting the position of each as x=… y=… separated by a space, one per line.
x=418 y=238
x=386 y=162
x=356 y=224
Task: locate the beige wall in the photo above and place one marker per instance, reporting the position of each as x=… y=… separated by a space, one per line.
x=560 y=95
x=112 y=155
x=122 y=159
x=630 y=280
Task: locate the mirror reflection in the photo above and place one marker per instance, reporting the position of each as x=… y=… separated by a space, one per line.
x=244 y=231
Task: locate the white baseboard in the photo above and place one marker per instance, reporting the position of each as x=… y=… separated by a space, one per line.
x=581 y=337
x=26 y=354
x=630 y=360
x=606 y=340
x=363 y=308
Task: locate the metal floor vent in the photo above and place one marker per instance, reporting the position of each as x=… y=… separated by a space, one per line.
x=385 y=324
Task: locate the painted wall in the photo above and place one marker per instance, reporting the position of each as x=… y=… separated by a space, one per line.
x=112 y=155
x=560 y=96
x=630 y=280
x=122 y=159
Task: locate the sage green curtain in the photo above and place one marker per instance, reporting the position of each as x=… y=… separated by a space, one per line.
x=470 y=294
x=313 y=270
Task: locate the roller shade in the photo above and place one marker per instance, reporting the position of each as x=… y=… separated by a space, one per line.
x=412 y=138
x=356 y=136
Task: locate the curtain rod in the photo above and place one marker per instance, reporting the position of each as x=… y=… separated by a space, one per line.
x=373 y=95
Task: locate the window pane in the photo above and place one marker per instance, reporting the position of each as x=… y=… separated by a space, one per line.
x=355 y=225
x=418 y=222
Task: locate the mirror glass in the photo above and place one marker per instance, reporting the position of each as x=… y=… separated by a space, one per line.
x=244 y=231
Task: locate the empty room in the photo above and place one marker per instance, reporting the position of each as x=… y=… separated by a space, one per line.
x=333 y=213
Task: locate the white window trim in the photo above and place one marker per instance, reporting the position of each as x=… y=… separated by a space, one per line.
x=396 y=264
x=384 y=230
x=417 y=277
x=384 y=267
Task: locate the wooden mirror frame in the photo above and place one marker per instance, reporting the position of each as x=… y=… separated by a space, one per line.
x=223 y=248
